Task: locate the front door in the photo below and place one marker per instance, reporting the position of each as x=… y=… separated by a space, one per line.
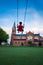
x=30 y=43
x=21 y=44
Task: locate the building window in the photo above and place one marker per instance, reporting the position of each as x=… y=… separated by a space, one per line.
x=29 y=37
x=36 y=37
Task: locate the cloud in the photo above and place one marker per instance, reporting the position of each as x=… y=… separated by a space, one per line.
x=34 y=21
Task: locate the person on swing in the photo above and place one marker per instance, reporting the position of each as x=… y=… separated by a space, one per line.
x=20 y=27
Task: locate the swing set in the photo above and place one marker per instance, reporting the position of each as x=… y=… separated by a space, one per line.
x=20 y=26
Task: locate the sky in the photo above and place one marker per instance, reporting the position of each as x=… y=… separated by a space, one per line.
x=34 y=15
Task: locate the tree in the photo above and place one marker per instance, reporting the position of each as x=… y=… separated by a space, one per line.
x=3 y=36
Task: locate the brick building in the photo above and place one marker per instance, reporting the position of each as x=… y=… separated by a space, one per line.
x=25 y=39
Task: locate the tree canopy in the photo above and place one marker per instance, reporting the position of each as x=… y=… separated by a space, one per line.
x=3 y=36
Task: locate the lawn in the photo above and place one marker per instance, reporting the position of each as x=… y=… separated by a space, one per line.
x=10 y=55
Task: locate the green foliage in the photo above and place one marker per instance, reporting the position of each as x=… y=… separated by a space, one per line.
x=3 y=36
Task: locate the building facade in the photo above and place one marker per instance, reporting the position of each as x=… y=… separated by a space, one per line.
x=25 y=39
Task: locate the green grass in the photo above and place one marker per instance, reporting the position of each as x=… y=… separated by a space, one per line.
x=10 y=55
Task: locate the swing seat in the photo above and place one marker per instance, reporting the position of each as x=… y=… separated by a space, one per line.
x=20 y=30
x=20 y=27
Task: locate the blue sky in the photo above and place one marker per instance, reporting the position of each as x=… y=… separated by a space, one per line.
x=34 y=17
